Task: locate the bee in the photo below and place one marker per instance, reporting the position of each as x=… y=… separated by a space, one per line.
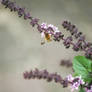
x=45 y=36
x=48 y=37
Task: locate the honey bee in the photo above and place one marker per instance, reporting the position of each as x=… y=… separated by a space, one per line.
x=48 y=37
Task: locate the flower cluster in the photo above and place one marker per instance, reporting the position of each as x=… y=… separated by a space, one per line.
x=89 y=89
x=51 y=32
x=44 y=74
x=72 y=28
x=76 y=82
x=66 y=63
x=13 y=7
x=20 y=11
x=81 y=43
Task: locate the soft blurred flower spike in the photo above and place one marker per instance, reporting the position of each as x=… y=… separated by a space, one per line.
x=75 y=82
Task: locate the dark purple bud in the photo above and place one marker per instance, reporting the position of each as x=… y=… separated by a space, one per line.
x=11 y=5
x=75 y=30
x=50 y=77
x=21 y=12
x=58 y=36
x=75 y=47
x=66 y=63
x=27 y=16
x=67 y=42
x=39 y=28
x=34 y=22
x=77 y=35
x=64 y=83
x=88 y=53
x=57 y=78
x=45 y=75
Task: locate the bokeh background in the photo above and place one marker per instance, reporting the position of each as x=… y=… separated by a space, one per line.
x=20 y=47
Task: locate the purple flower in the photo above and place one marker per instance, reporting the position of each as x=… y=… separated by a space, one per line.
x=52 y=32
x=34 y=22
x=27 y=16
x=44 y=74
x=49 y=31
x=75 y=82
x=75 y=86
x=89 y=90
x=66 y=63
x=44 y=25
x=70 y=78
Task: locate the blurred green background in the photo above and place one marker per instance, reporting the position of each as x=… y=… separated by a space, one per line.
x=20 y=47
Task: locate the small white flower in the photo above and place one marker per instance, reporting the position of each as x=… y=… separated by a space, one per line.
x=80 y=80
x=55 y=29
x=50 y=25
x=44 y=25
x=89 y=90
x=75 y=83
x=70 y=78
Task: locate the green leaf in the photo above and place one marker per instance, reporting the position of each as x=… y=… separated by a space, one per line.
x=82 y=66
x=91 y=67
x=81 y=90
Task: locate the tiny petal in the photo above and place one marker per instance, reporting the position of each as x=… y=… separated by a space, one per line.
x=44 y=25
x=70 y=78
x=50 y=25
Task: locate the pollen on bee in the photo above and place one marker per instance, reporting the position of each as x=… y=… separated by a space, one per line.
x=48 y=37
